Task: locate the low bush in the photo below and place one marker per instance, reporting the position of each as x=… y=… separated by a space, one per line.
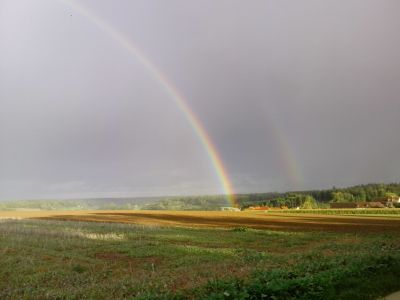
x=366 y=278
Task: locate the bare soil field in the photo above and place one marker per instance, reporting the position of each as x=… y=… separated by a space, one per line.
x=270 y=221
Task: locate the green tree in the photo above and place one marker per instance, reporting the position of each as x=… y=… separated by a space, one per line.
x=309 y=203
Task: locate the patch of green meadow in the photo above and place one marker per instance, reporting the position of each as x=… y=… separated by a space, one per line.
x=85 y=260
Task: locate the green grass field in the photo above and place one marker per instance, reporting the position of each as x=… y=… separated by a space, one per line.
x=79 y=260
x=345 y=211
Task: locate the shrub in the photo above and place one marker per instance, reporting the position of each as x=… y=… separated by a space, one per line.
x=239 y=229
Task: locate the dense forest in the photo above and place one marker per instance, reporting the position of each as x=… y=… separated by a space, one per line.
x=303 y=199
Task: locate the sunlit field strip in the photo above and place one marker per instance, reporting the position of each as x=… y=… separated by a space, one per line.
x=344 y=211
x=218 y=219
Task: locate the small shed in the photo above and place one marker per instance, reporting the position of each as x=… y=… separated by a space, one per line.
x=229 y=208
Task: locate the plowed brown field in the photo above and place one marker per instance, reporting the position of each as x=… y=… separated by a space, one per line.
x=271 y=221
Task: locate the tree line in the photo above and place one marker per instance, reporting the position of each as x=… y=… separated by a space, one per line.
x=320 y=198
x=302 y=199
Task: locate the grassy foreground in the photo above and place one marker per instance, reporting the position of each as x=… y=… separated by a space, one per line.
x=79 y=260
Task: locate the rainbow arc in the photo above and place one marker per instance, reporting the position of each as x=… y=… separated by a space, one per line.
x=170 y=89
x=289 y=162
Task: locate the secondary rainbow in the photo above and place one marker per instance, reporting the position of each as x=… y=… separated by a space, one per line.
x=170 y=89
x=288 y=159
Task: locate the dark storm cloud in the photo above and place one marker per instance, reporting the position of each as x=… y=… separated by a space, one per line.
x=279 y=86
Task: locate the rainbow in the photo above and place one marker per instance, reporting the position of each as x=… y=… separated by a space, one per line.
x=289 y=162
x=170 y=89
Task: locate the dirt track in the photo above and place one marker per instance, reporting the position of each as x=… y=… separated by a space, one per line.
x=285 y=222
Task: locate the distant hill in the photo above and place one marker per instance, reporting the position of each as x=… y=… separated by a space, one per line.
x=80 y=204
x=144 y=203
x=189 y=203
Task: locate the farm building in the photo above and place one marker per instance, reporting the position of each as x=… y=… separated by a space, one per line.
x=375 y=204
x=229 y=208
x=388 y=201
x=344 y=205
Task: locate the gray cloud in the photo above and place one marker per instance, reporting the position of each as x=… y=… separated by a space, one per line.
x=279 y=85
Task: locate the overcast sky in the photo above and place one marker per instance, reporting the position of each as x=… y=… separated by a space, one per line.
x=295 y=95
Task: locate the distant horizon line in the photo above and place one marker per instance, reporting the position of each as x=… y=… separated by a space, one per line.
x=192 y=195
